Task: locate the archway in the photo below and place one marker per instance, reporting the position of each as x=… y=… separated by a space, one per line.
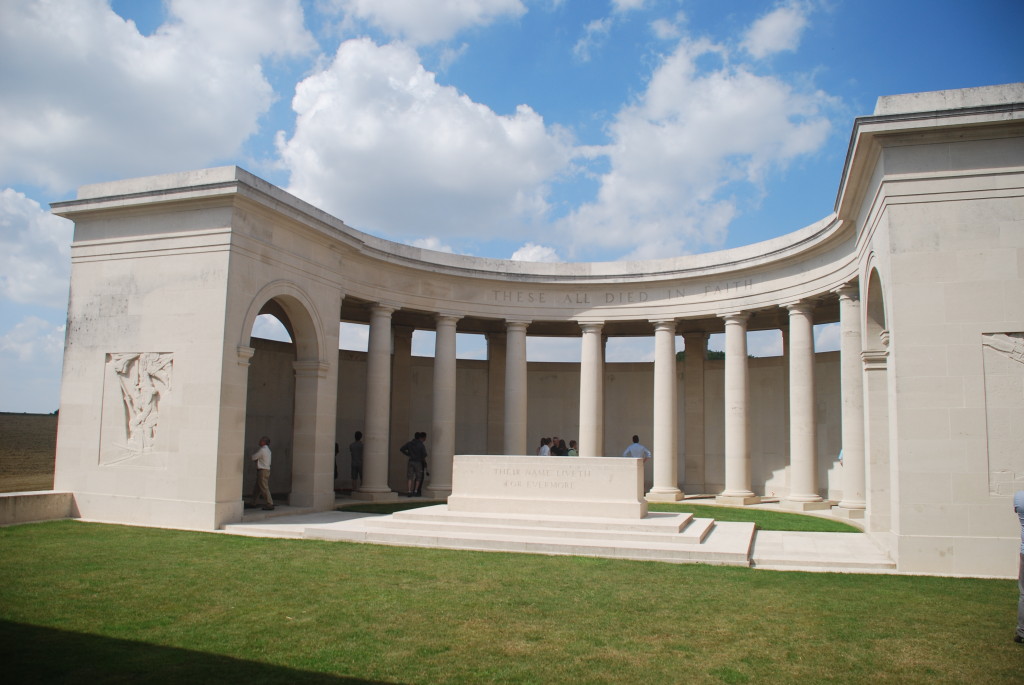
x=879 y=483
x=281 y=392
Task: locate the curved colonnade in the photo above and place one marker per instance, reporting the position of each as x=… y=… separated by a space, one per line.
x=181 y=265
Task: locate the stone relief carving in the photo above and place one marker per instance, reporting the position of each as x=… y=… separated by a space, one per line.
x=145 y=380
x=1010 y=344
x=1003 y=359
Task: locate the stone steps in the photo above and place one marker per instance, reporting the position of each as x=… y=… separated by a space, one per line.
x=695 y=540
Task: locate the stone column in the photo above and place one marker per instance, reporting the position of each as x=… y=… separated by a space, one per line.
x=693 y=410
x=666 y=416
x=496 y=345
x=515 y=387
x=591 y=396
x=737 y=415
x=378 y=407
x=852 y=385
x=803 y=491
x=401 y=402
x=443 y=438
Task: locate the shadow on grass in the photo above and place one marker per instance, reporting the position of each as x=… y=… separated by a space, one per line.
x=31 y=654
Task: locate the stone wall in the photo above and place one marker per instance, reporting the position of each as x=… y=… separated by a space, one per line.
x=554 y=410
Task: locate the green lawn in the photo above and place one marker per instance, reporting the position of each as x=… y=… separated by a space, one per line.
x=95 y=603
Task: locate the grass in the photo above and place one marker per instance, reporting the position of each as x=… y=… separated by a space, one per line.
x=764 y=518
x=105 y=604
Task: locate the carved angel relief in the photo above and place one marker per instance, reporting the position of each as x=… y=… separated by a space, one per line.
x=1003 y=363
x=145 y=380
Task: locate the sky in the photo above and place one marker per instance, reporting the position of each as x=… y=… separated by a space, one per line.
x=542 y=130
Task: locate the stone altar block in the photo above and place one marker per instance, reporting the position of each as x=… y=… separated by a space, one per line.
x=607 y=487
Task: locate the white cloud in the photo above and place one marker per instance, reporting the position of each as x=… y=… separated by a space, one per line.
x=779 y=30
x=702 y=124
x=531 y=252
x=422 y=22
x=30 y=363
x=434 y=244
x=627 y=5
x=33 y=340
x=86 y=97
x=594 y=35
x=379 y=143
x=35 y=252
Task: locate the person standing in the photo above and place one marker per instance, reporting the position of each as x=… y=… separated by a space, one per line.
x=262 y=459
x=573 y=452
x=355 y=450
x=416 y=450
x=1018 y=506
x=636 y=450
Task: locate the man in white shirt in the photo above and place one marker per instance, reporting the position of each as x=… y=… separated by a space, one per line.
x=1018 y=506
x=262 y=459
x=636 y=450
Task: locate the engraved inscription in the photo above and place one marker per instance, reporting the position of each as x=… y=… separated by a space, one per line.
x=627 y=297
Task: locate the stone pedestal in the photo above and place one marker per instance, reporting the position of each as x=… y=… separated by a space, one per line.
x=608 y=487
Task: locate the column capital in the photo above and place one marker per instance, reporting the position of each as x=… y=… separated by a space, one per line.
x=446 y=317
x=245 y=354
x=799 y=307
x=591 y=326
x=847 y=291
x=696 y=335
x=665 y=324
x=308 y=369
x=517 y=324
x=384 y=308
x=734 y=317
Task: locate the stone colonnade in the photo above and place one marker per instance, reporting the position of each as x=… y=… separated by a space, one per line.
x=667 y=419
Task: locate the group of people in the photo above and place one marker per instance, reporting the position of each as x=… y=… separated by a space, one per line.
x=416 y=451
x=556 y=447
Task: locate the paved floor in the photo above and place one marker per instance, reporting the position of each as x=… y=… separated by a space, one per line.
x=777 y=550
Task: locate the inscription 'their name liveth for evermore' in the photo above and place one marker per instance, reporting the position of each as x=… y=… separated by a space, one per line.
x=592 y=298
x=548 y=478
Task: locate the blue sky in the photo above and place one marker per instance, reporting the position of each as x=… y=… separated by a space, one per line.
x=565 y=130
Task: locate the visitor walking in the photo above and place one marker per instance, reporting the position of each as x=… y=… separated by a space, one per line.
x=416 y=450
x=1018 y=506
x=636 y=450
x=355 y=450
x=262 y=489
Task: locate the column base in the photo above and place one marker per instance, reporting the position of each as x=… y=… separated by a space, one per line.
x=738 y=500
x=666 y=495
x=438 y=493
x=387 y=496
x=797 y=505
x=847 y=513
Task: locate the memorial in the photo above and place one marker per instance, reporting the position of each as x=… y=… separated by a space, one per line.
x=921 y=265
